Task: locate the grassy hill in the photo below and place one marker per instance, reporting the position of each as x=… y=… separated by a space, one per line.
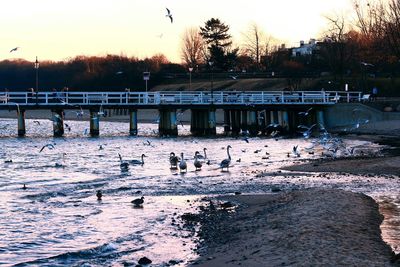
x=388 y=87
x=256 y=84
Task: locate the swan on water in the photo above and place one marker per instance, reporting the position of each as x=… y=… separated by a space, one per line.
x=225 y=163
x=182 y=164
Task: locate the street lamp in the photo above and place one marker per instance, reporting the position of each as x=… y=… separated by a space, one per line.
x=37 y=80
x=146 y=77
x=211 y=63
x=190 y=78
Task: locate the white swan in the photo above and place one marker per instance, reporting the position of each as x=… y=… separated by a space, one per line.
x=137 y=161
x=173 y=160
x=123 y=164
x=225 y=163
x=197 y=163
x=182 y=164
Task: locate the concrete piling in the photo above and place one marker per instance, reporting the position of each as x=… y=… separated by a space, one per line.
x=94 y=123
x=133 y=120
x=21 y=123
x=252 y=122
x=167 y=124
x=227 y=121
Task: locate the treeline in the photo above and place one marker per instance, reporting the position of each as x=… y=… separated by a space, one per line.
x=110 y=72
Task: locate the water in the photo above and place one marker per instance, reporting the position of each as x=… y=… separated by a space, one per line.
x=58 y=221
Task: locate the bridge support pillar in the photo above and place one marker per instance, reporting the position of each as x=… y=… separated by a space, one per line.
x=252 y=123
x=243 y=121
x=21 y=123
x=211 y=123
x=227 y=121
x=285 y=120
x=235 y=117
x=274 y=117
x=167 y=125
x=203 y=122
x=262 y=120
x=94 y=123
x=133 y=129
x=320 y=118
x=58 y=122
x=195 y=122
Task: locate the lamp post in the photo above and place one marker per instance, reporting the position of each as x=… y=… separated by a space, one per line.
x=211 y=63
x=190 y=78
x=37 y=78
x=146 y=77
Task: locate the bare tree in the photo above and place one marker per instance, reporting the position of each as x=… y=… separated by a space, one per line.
x=256 y=43
x=192 y=50
x=336 y=47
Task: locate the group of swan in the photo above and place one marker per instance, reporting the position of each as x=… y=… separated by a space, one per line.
x=199 y=159
x=124 y=164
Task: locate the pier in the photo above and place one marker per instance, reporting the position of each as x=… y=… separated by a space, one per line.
x=251 y=112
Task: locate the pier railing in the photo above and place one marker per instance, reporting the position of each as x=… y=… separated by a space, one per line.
x=178 y=98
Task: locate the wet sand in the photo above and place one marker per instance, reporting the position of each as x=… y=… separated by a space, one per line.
x=314 y=227
x=358 y=166
x=386 y=164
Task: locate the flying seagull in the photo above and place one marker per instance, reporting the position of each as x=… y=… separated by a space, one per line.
x=49 y=146
x=14 y=49
x=169 y=15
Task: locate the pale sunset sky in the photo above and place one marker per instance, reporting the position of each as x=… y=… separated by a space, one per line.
x=58 y=29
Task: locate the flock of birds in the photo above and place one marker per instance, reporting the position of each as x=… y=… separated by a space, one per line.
x=323 y=142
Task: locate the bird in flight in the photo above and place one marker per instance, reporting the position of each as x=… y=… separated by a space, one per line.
x=49 y=146
x=169 y=15
x=14 y=49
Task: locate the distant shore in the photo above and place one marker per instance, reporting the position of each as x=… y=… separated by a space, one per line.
x=314 y=227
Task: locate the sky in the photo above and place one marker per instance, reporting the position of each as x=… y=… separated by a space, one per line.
x=60 y=29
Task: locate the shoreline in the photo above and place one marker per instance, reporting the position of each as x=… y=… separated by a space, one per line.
x=311 y=227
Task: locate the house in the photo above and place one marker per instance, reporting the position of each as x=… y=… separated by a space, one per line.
x=304 y=49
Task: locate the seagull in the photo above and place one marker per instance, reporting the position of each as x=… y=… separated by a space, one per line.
x=169 y=15
x=160 y=35
x=68 y=127
x=138 y=202
x=366 y=64
x=14 y=49
x=306 y=112
x=36 y=122
x=234 y=77
x=295 y=152
x=119 y=72
x=49 y=146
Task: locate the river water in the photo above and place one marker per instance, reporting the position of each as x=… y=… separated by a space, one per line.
x=57 y=220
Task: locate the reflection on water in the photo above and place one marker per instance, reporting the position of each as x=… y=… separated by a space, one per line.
x=57 y=219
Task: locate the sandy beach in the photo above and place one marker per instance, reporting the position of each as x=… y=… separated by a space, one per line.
x=312 y=227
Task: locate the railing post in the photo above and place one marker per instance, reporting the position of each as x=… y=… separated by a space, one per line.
x=302 y=97
x=348 y=97
x=282 y=98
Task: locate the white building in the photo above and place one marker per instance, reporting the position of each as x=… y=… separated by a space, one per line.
x=304 y=49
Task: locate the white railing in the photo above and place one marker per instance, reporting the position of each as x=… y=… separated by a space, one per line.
x=179 y=98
